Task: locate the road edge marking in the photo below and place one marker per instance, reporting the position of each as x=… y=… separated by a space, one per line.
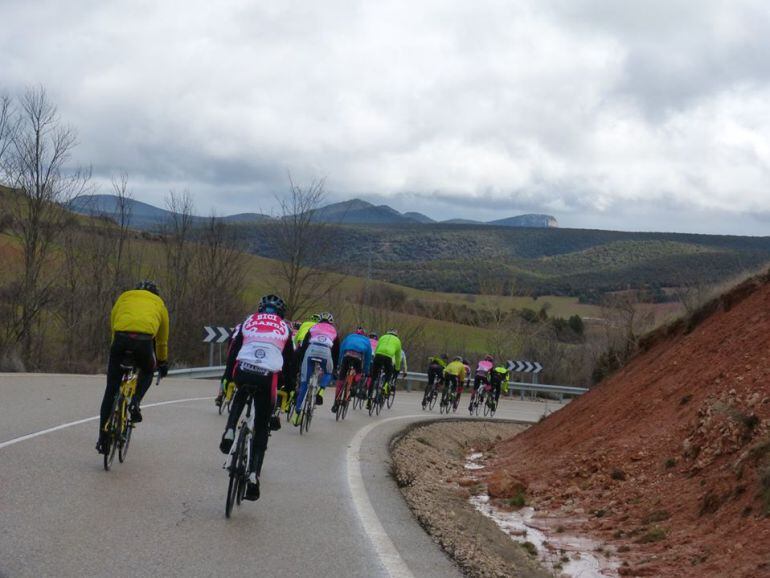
x=383 y=545
x=26 y=437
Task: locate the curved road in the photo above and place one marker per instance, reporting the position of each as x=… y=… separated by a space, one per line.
x=328 y=505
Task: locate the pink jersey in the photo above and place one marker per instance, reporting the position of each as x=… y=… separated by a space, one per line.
x=374 y=344
x=484 y=367
x=264 y=338
x=322 y=334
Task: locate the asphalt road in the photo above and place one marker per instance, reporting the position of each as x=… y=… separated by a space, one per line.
x=328 y=505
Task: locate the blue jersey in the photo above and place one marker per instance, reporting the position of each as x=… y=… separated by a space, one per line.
x=360 y=344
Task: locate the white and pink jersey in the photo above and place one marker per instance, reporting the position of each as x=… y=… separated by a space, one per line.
x=264 y=338
x=373 y=342
x=322 y=334
x=484 y=367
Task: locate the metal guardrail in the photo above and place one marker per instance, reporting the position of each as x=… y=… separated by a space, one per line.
x=411 y=376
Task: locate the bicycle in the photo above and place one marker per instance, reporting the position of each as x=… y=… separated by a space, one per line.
x=392 y=390
x=227 y=397
x=239 y=459
x=344 y=398
x=449 y=395
x=376 y=400
x=490 y=405
x=119 y=426
x=477 y=397
x=306 y=413
x=432 y=395
x=360 y=392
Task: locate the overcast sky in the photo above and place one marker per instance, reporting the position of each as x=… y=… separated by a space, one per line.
x=647 y=115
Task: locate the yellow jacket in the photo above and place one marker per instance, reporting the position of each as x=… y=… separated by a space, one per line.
x=139 y=311
x=299 y=337
x=456 y=368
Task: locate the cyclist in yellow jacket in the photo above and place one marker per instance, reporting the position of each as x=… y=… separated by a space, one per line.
x=139 y=324
x=455 y=371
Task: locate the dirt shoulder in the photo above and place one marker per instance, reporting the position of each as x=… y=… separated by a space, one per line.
x=429 y=467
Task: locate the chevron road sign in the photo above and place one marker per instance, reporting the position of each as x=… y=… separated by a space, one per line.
x=216 y=334
x=524 y=367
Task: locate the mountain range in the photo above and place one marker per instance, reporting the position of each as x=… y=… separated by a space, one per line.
x=352 y=212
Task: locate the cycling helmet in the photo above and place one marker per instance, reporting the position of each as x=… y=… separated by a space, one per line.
x=360 y=330
x=392 y=332
x=315 y=317
x=147 y=285
x=373 y=336
x=325 y=316
x=445 y=357
x=272 y=304
x=488 y=357
x=457 y=358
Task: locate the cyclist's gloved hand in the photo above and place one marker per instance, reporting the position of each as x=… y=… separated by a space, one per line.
x=163 y=369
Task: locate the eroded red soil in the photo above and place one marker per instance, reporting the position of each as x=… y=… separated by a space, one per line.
x=669 y=459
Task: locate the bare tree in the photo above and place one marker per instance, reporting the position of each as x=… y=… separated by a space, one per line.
x=123 y=214
x=177 y=234
x=7 y=124
x=304 y=244
x=35 y=167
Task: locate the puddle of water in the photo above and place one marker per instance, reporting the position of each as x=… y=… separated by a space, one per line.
x=573 y=553
x=471 y=459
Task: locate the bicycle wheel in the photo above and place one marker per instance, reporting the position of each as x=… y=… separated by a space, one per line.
x=113 y=427
x=126 y=440
x=492 y=407
x=392 y=394
x=433 y=398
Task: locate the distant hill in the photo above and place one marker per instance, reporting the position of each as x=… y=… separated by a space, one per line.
x=419 y=217
x=352 y=212
x=144 y=215
x=532 y=220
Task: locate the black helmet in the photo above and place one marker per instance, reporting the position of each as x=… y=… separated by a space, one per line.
x=445 y=357
x=147 y=285
x=325 y=317
x=373 y=336
x=272 y=304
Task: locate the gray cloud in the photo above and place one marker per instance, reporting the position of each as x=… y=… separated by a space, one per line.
x=597 y=111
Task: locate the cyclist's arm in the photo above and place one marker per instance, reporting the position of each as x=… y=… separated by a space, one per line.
x=289 y=365
x=367 y=360
x=397 y=356
x=161 y=338
x=232 y=353
x=336 y=353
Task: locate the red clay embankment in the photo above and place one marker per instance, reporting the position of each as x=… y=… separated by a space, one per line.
x=668 y=460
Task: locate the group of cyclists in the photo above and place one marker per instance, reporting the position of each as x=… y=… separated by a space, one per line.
x=455 y=375
x=268 y=352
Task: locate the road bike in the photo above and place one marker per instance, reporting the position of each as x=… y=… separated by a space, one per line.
x=360 y=392
x=376 y=398
x=343 y=398
x=240 y=456
x=308 y=405
x=490 y=405
x=391 y=389
x=227 y=397
x=478 y=396
x=119 y=425
x=449 y=396
x=432 y=395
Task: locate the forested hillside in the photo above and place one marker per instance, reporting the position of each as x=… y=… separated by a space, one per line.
x=575 y=262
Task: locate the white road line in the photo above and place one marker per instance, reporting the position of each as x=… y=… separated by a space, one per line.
x=94 y=418
x=384 y=546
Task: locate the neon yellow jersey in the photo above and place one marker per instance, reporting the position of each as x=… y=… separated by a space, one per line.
x=299 y=337
x=457 y=369
x=139 y=311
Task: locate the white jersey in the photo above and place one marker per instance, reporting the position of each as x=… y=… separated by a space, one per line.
x=264 y=338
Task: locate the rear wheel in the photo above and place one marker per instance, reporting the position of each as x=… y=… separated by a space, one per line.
x=126 y=440
x=233 y=484
x=392 y=394
x=433 y=398
x=113 y=427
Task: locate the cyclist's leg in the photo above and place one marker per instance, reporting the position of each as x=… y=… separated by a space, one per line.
x=144 y=355
x=264 y=404
x=431 y=381
x=114 y=376
x=326 y=378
